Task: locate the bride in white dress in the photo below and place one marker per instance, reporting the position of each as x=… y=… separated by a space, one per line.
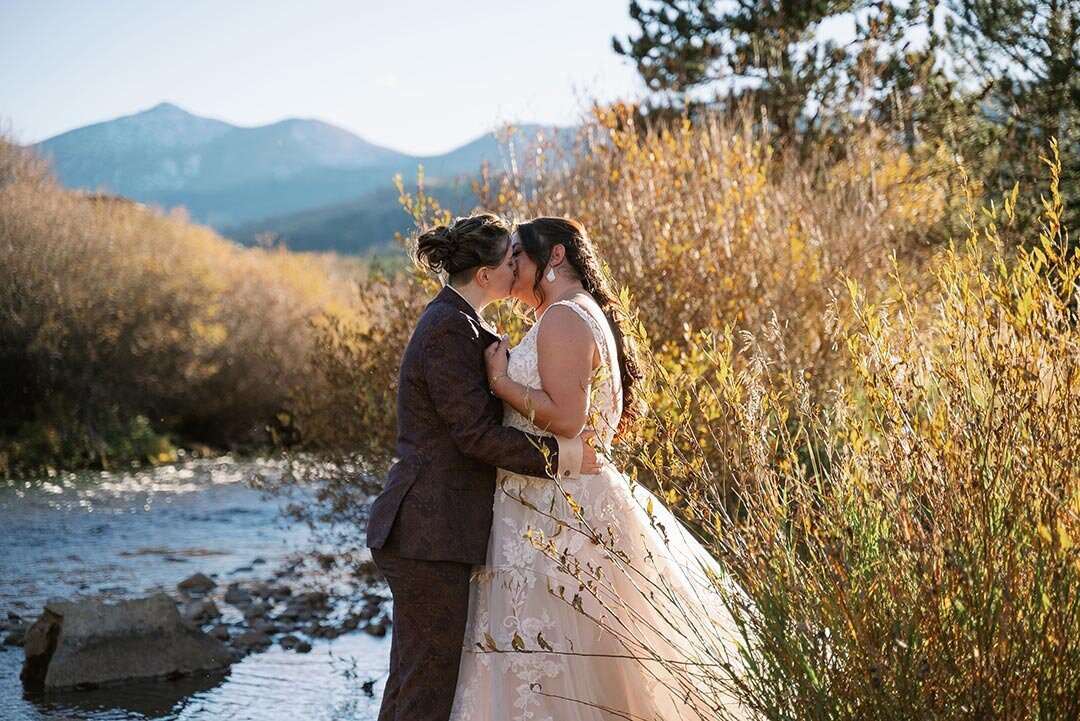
x=595 y=602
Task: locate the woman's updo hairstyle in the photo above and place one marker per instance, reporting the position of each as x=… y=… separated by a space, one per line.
x=464 y=245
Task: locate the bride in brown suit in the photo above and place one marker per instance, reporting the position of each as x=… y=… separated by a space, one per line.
x=431 y=523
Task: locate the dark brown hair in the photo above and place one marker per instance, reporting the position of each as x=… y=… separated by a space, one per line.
x=538 y=237
x=464 y=245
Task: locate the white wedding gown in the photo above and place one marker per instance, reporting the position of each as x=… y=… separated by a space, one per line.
x=595 y=602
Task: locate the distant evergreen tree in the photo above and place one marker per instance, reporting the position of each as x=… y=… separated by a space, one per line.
x=766 y=49
x=1027 y=54
x=994 y=80
x=899 y=80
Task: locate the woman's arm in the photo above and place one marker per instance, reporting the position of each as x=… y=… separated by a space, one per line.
x=565 y=350
x=456 y=382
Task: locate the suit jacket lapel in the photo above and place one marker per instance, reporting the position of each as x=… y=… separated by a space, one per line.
x=451 y=296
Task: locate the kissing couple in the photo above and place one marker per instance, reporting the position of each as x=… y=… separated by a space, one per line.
x=531 y=579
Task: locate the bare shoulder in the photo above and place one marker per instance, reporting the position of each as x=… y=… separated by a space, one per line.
x=563 y=333
x=561 y=322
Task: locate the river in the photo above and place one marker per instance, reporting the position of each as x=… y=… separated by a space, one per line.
x=122 y=534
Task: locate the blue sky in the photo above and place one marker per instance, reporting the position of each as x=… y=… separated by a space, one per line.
x=421 y=76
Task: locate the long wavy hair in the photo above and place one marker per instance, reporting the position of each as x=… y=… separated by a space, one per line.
x=538 y=237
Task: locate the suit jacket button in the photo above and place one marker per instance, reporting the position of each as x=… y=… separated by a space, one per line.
x=566 y=473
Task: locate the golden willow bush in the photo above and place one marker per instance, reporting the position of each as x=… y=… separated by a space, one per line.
x=908 y=550
x=116 y=320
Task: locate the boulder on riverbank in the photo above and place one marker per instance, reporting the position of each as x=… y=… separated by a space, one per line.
x=86 y=644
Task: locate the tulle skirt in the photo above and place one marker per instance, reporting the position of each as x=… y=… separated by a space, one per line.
x=595 y=603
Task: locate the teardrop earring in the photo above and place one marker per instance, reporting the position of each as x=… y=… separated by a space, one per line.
x=550 y=275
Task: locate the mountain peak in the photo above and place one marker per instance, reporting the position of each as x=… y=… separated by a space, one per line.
x=165 y=109
x=163 y=127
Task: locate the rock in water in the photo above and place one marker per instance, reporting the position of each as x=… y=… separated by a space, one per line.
x=201 y=611
x=85 y=644
x=197 y=583
x=237 y=596
x=250 y=641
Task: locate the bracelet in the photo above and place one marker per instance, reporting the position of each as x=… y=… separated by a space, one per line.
x=491 y=381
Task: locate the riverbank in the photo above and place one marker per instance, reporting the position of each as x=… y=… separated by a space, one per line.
x=57 y=443
x=118 y=535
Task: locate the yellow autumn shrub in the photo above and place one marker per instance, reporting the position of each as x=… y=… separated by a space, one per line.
x=111 y=312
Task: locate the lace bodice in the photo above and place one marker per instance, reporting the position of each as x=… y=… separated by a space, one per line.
x=605 y=396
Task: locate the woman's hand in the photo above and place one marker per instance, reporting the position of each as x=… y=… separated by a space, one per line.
x=496 y=359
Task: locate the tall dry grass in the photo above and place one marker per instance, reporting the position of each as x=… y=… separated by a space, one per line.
x=116 y=319
x=908 y=549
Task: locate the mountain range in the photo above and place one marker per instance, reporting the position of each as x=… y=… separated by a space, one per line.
x=311 y=184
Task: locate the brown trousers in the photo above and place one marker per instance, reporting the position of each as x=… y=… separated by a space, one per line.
x=431 y=604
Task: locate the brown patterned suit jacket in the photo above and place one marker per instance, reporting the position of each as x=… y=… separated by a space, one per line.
x=440 y=492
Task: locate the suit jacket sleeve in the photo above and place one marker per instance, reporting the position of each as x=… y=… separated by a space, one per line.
x=458 y=386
